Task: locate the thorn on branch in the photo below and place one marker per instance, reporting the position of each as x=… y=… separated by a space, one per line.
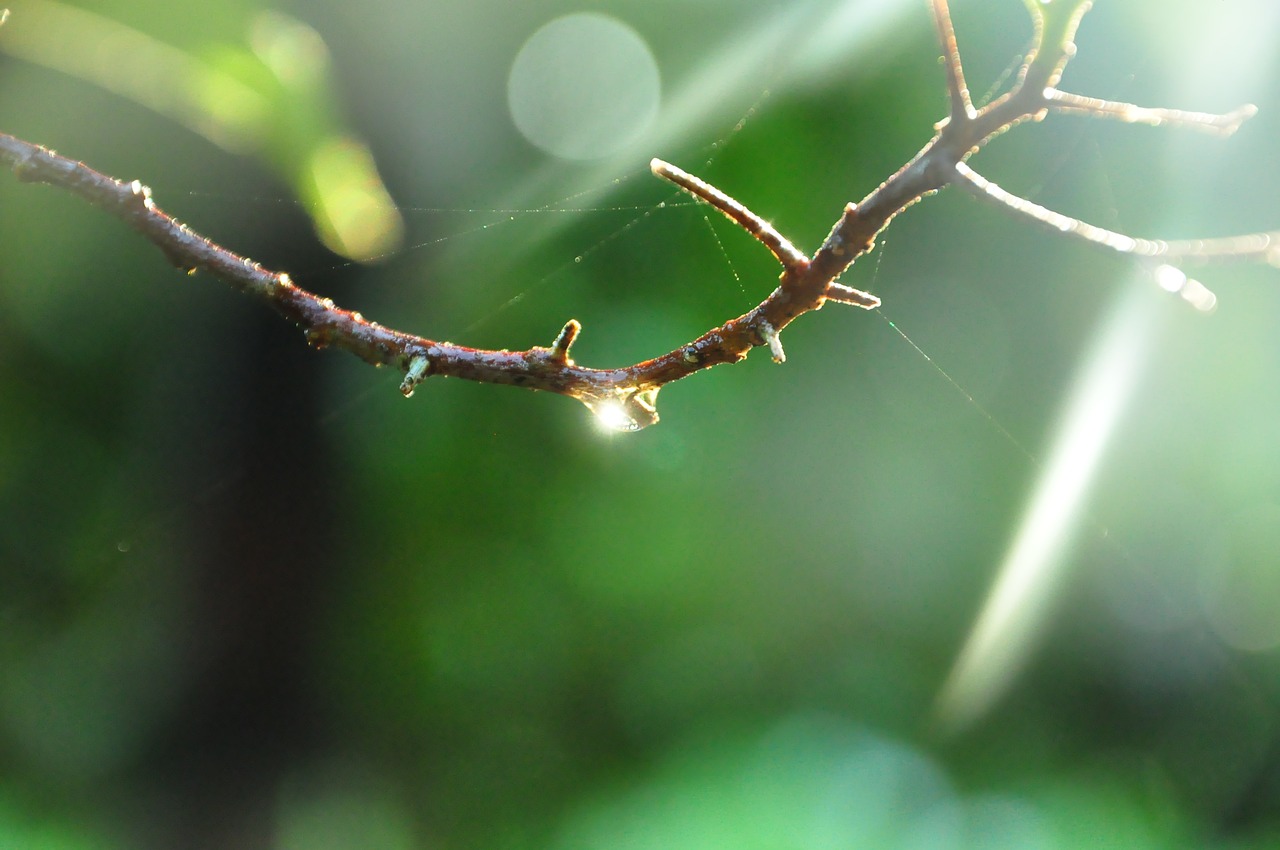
x=848 y=295
x=559 y=351
x=791 y=258
x=419 y=368
x=770 y=337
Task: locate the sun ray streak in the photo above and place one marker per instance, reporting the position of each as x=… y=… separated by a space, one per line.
x=1018 y=603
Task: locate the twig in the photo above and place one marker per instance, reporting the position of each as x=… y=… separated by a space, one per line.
x=848 y=295
x=1221 y=125
x=957 y=90
x=564 y=341
x=625 y=398
x=1251 y=247
x=792 y=259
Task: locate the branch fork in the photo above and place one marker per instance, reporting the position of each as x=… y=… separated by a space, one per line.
x=625 y=398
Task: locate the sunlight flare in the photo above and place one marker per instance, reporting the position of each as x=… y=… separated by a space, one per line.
x=611 y=417
x=1195 y=293
x=1018 y=603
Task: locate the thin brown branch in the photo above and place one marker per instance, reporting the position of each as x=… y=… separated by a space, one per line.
x=957 y=90
x=625 y=397
x=792 y=258
x=1218 y=124
x=1252 y=247
x=933 y=168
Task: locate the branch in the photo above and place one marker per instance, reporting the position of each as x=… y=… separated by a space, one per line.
x=1219 y=125
x=792 y=259
x=625 y=398
x=1252 y=247
x=957 y=90
x=1055 y=22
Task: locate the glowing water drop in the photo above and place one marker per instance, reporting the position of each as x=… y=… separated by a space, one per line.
x=612 y=416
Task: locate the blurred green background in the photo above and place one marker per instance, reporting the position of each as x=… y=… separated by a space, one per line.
x=250 y=597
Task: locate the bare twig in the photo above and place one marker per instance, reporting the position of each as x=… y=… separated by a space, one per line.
x=564 y=341
x=1220 y=125
x=625 y=397
x=848 y=295
x=1055 y=22
x=957 y=90
x=1251 y=247
x=791 y=258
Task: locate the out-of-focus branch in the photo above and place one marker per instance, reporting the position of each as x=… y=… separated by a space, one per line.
x=957 y=90
x=625 y=397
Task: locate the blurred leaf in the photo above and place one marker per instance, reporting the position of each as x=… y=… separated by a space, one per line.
x=271 y=97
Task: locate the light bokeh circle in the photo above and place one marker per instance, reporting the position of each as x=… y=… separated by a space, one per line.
x=583 y=86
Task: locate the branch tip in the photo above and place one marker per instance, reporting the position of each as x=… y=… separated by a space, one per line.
x=1219 y=124
x=1056 y=23
x=764 y=232
x=417 y=371
x=961 y=105
x=842 y=294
